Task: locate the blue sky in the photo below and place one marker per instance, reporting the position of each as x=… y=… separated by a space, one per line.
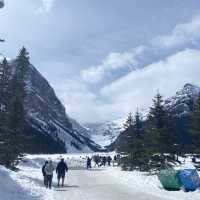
x=105 y=58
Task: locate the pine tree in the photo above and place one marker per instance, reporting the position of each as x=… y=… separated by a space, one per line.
x=195 y=128
x=162 y=137
x=129 y=121
x=5 y=74
x=16 y=112
x=134 y=144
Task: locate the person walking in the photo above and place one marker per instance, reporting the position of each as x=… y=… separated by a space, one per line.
x=97 y=160
x=109 y=159
x=89 y=164
x=44 y=173
x=61 y=169
x=104 y=161
x=49 y=168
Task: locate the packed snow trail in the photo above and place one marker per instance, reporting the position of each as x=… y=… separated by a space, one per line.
x=96 y=185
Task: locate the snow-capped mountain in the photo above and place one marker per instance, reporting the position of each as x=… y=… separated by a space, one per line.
x=180 y=105
x=105 y=133
x=47 y=122
x=182 y=102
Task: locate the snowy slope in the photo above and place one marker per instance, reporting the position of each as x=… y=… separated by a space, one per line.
x=10 y=190
x=106 y=133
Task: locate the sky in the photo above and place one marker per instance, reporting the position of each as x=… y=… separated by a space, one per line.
x=106 y=58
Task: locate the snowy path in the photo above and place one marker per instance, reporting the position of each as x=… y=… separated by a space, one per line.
x=96 y=185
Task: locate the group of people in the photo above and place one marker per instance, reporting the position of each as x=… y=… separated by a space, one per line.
x=99 y=161
x=48 y=170
x=62 y=168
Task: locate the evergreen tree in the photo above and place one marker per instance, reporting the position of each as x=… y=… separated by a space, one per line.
x=134 y=144
x=162 y=137
x=15 y=114
x=5 y=74
x=195 y=128
x=129 y=121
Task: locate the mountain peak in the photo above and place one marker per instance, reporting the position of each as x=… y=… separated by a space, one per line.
x=190 y=89
x=190 y=86
x=47 y=121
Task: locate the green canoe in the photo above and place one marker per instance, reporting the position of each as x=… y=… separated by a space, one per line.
x=169 y=179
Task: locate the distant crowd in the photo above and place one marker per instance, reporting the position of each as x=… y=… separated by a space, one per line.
x=100 y=161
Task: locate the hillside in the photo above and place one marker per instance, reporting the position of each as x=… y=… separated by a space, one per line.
x=51 y=130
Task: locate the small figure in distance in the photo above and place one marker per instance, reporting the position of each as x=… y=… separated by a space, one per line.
x=61 y=170
x=104 y=161
x=97 y=160
x=114 y=160
x=89 y=163
x=109 y=159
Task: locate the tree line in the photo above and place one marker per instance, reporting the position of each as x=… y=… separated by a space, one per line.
x=156 y=142
x=12 y=113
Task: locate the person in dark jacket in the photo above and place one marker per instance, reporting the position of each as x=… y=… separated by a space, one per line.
x=104 y=161
x=109 y=159
x=61 y=170
x=44 y=173
x=89 y=164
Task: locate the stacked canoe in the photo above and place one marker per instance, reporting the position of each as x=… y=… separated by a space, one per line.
x=186 y=178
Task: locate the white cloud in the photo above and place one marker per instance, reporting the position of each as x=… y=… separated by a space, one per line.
x=113 y=61
x=79 y=102
x=138 y=87
x=183 y=35
x=134 y=90
x=46 y=6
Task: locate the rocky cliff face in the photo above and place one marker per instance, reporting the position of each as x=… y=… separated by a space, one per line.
x=181 y=104
x=47 y=123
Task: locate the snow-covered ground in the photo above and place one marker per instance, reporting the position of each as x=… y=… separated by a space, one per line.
x=11 y=190
x=99 y=183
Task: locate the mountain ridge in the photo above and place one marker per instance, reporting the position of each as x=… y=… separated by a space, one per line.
x=180 y=105
x=47 y=122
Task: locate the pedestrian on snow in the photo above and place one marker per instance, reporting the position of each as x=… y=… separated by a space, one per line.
x=109 y=159
x=89 y=164
x=104 y=161
x=97 y=160
x=114 y=160
x=44 y=173
x=61 y=170
x=49 y=168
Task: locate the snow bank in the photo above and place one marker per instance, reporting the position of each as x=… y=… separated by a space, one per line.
x=149 y=184
x=10 y=190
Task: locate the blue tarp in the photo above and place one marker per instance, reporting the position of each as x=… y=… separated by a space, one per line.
x=190 y=179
